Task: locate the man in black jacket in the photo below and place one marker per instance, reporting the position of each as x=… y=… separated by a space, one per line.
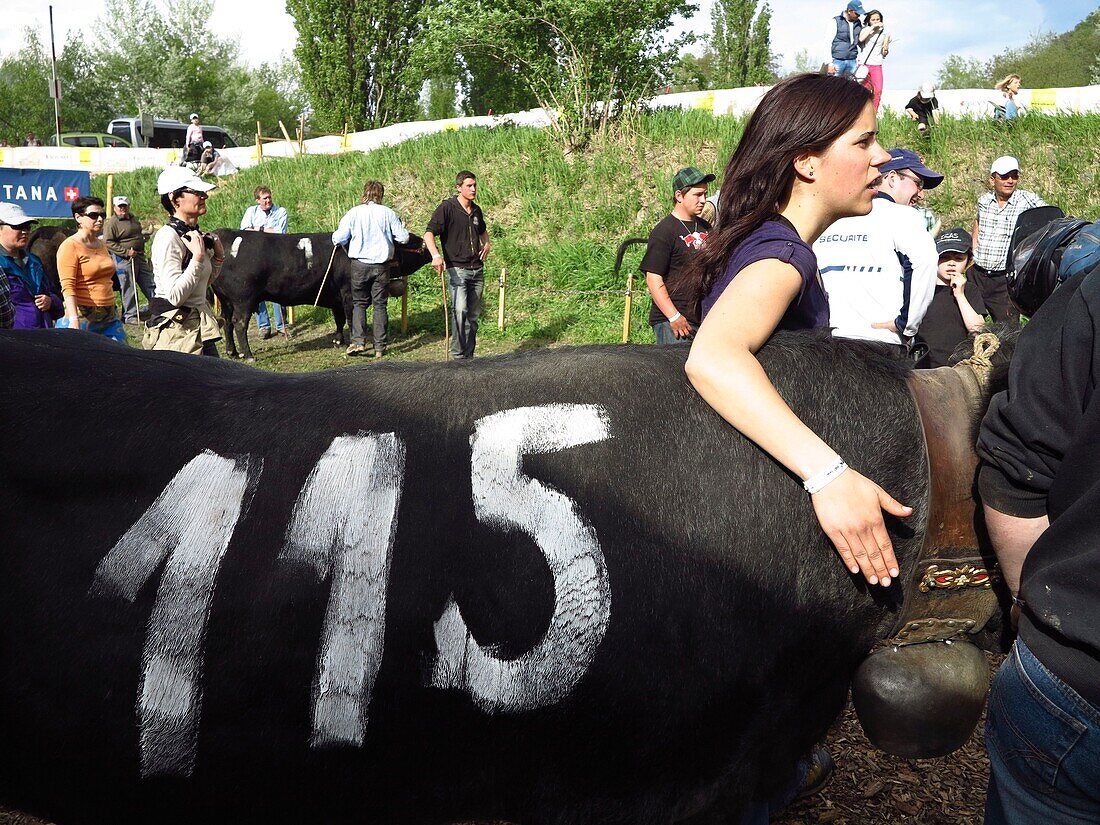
x=460 y=225
x=1040 y=484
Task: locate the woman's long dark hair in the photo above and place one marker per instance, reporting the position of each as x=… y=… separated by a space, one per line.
x=804 y=113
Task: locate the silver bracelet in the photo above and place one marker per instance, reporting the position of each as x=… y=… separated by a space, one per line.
x=674 y=318
x=816 y=483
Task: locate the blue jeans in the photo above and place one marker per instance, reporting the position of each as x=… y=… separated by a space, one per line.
x=1043 y=741
x=664 y=334
x=264 y=322
x=845 y=68
x=465 y=286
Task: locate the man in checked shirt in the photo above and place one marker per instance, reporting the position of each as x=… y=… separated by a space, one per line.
x=992 y=234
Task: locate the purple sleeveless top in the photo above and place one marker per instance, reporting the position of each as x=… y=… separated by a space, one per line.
x=777 y=238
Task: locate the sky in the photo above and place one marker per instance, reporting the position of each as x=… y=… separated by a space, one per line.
x=923 y=33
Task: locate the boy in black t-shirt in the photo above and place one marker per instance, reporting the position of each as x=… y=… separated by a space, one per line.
x=673 y=242
x=957 y=308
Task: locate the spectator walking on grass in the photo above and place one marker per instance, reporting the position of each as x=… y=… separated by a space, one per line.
x=673 y=243
x=998 y=211
x=266 y=216
x=874 y=43
x=370 y=230
x=185 y=260
x=192 y=142
x=86 y=269
x=845 y=45
x=27 y=298
x=126 y=243
x=460 y=226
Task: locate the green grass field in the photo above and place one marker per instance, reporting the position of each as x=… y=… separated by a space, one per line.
x=556 y=219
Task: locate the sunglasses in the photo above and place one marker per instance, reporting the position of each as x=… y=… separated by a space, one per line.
x=94 y=216
x=203 y=195
x=1007 y=176
x=23 y=227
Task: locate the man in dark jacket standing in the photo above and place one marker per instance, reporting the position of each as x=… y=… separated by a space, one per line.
x=845 y=48
x=460 y=226
x=126 y=243
x=1040 y=486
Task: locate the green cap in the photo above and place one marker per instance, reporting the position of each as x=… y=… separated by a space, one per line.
x=688 y=177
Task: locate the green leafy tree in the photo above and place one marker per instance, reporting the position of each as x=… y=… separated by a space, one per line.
x=740 y=40
x=693 y=73
x=441 y=98
x=1049 y=60
x=958 y=72
x=26 y=105
x=492 y=84
x=587 y=60
x=354 y=56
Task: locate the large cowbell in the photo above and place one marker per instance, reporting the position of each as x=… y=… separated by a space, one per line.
x=921 y=701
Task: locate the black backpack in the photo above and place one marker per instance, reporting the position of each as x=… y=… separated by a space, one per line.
x=1035 y=254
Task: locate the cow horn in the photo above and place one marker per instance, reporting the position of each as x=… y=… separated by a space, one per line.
x=921 y=701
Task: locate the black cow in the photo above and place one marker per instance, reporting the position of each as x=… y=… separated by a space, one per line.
x=44 y=243
x=567 y=593
x=289 y=269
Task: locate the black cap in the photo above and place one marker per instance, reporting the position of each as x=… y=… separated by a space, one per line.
x=955 y=239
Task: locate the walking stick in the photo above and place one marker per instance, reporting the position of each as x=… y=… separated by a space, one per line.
x=325 y=278
x=134 y=287
x=446 y=317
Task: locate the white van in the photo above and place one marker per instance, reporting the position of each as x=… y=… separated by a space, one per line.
x=167 y=134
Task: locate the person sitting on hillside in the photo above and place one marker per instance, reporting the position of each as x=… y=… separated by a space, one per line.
x=1006 y=109
x=924 y=108
x=208 y=160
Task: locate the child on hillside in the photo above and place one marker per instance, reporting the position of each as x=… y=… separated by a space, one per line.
x=957 y=309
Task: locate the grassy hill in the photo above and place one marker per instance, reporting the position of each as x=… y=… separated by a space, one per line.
x=556 y=219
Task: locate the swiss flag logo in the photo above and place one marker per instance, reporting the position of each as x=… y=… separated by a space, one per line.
x=72 y=193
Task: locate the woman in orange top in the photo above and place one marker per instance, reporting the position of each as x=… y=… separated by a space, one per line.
x=85 y=269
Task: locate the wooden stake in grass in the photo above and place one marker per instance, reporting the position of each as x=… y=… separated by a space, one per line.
x=286 y=135
x=259 y=143
x=500 y=299
x=627 y=307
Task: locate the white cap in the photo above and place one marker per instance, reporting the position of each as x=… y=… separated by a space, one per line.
x=194 y=115
x=1004 y=164
x=180 y=177
x=927 y=90
x=119 y=200
x=206 y=144
x=13 y=215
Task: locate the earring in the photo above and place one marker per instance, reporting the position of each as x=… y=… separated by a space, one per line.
x=811 y=173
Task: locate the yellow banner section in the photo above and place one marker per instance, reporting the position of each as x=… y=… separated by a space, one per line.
x=1044 y=98
x=705 y=102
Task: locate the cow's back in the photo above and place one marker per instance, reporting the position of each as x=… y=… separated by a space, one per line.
x=714 y=645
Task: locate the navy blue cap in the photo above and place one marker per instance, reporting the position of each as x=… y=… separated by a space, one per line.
x=857 y=7
x=908 y=159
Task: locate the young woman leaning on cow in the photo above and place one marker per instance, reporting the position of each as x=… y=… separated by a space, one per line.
x=185 y=259
x=809 y=156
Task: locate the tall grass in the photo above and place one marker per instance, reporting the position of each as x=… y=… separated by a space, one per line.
x=556 y=219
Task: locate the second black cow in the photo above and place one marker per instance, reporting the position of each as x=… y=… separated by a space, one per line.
x=290 y=269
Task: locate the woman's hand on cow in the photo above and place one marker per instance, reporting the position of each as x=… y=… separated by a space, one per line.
x=849 y=509
x=219 y=248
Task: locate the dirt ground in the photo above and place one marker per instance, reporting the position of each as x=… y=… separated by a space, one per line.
x=868 y=786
